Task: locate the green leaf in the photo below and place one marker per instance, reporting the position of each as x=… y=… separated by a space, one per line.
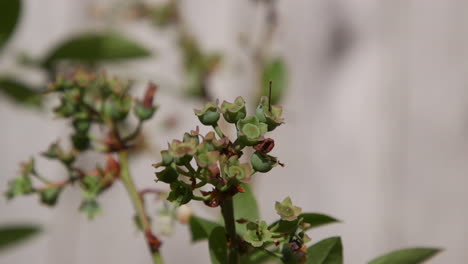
x=94 y=47
x=12 y=235
x=327 y=251
x=218 y=246
x=19 y=92
x=276 y=72
x=245 y=206
x=201 y=228
x=313 y=219
x=406 y=256
x=9 y=16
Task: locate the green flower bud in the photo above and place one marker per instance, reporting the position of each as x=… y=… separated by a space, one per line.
x=166 y=157
x=236 y=170
x=49 y=196
x=209 y=115
x=168 y=175
x=19 y=186
x=251 y=131
x=142 y=112
x=53 y=152
x=286 y=210
x=65 y=109
x=257 y=234
x=117 y=107
x=181 y=193
x=191 y=136
x=205 y=156
x=272 y=117
x=235 y=111
x=81 y=141
x=90 y=207
x=262 y=162
x=81 y=125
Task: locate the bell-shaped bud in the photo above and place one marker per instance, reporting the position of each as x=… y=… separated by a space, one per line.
x=269 y=114
x=117 y=107
x=53 y=152
x=251 y=130
x=181 y=193
x=205 y=156
x=257 y=234
x=286 y=210
x=209 y=115
x=50 y=196
x=19 y=186
x=145 y=109
x=166 y=158
x=81 y=125
x=80 y=141
x=234 y=112
x=235 y=169
x=183 y=151
x=262 y=162
x=91 y=208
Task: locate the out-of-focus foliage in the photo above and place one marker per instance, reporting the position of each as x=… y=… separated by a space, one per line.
x=96 y=47
x=406 y=256
x=16 y=234
x=19 y=92
x=9 y=16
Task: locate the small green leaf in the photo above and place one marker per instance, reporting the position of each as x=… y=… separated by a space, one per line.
x=201 y=228
x=245 y=207
x=327 y=251
x=19 y=92
x=9 y=16
x=276 y=72
x=313 y=219
x=93 y=47
x=218 y=246
x=11 y=235
x=406 y=256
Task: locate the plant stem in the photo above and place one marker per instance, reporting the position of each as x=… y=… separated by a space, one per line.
x=139 y=207
x=227 y=209
x=218 y=131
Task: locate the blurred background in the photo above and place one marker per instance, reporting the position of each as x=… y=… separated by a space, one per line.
x=375 y=97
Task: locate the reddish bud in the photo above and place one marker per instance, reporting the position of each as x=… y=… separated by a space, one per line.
x=265 y=146
x=149 y=95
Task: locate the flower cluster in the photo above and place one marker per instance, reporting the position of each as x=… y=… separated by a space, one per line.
x=214 y=159
x=87 y=100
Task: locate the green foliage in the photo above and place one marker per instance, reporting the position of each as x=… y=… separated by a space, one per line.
x=13 y=235
x=9 y=15
x=406 y=256
x=19 y=92
x=245 y=207
x=276 y=72
x=327 y=251
x=96 y=47
x=201 y=228
x=312 y=220
x=218 y=246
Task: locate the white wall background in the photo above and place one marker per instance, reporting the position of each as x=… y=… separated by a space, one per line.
x=376 y=136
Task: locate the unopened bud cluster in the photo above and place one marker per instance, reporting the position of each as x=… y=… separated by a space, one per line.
x=87 y=100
